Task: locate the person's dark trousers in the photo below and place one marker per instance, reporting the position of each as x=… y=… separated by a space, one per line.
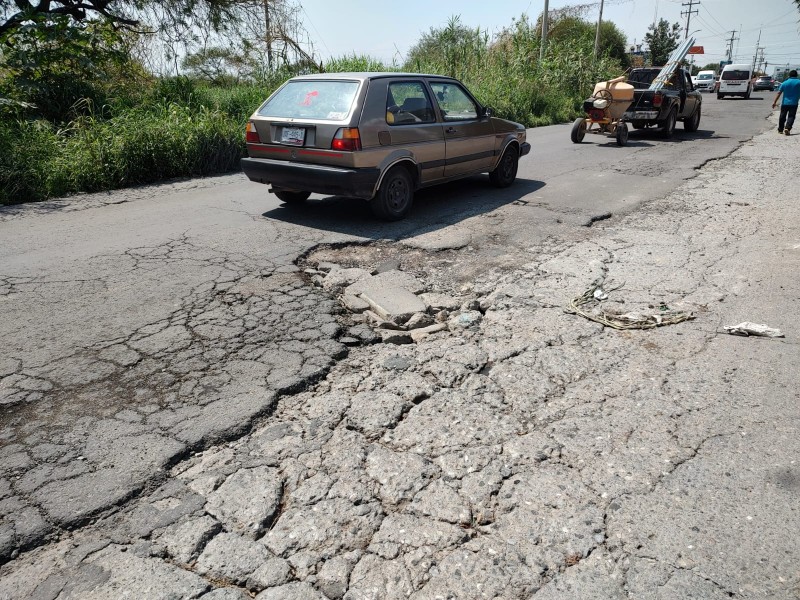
x=788 y=113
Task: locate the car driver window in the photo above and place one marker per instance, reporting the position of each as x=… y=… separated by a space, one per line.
x=407 y=103
x=454 y=103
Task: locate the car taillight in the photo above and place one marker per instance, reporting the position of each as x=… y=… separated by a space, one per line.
x=657 y=99
x=347 y=138
x=251 y=134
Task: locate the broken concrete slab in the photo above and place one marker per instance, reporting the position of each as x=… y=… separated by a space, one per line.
x=438 y=301
x=338 y=279
x=393 y=304
x=354 y=303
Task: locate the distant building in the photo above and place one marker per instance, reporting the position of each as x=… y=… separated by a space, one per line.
x=781 y=73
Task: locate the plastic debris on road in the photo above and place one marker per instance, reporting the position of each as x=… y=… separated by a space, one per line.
x=629 y=320
x=747 y=329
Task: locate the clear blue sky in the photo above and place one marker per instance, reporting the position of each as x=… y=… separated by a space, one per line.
x=387 y=30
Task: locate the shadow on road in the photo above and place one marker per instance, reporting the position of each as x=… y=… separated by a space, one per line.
x=679 y=137
x=434 y=208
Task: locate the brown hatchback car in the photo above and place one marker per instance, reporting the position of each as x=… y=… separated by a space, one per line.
x=377 y=136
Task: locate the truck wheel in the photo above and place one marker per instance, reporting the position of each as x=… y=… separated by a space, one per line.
x=578 y=130
x=720 y=96
x=395 y=196
x=505 y=172
x=622 y=134
x=669 y=125
x=692 y=124
x=292 y=197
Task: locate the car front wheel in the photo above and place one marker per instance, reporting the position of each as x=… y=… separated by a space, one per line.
x=505 y=172
x=395 y=196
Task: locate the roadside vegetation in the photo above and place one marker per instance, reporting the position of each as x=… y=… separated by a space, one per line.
x=82 y=109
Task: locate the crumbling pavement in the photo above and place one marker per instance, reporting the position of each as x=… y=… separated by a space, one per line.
x=528 y=453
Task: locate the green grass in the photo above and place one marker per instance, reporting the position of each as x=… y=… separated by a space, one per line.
x=139 y=146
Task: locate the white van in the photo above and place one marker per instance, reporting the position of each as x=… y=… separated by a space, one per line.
x=736 y=80
x=705 y=81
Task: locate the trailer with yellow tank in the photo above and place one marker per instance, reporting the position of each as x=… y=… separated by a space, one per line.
x=605 y=111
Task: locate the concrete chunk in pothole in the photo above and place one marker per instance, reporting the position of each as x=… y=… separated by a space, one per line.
x=394 y=278
x=394 y=304
x=338 y=279
x=247 y=501
x=439 y=301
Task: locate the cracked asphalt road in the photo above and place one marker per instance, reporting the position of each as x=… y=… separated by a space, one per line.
x=180 y=419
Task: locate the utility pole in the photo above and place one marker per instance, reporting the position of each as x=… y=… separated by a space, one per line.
x=268 y=35
x=689 y=14
x=758 y=45
x=730 y=45
x=597 y=33
x=544 y=31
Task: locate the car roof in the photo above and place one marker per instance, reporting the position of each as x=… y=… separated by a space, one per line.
x=368 y=75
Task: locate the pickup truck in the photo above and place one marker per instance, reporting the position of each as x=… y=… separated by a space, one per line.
x=676 y=101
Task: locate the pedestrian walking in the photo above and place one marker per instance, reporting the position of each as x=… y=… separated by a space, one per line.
x=790 y=89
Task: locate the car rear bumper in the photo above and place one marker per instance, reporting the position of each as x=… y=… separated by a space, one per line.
x=319 y=179
x=641 y=115
x=524 y=148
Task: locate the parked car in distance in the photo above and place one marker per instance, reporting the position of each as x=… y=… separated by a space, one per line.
x=376 y=136
x=706 y=81
x=765 y=82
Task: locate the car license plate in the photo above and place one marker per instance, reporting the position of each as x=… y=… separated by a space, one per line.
x=294 y=136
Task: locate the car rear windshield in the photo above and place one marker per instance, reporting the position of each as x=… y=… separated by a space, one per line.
x=728 y=75
x=640 y=78
x=312 y=99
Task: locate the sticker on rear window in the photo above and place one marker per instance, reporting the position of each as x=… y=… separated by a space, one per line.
x=336 y=116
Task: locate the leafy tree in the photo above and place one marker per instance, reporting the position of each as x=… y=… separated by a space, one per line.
x=50 y=67
x=122 y=13
x=662 y=40
x=215 y=64
x=567 y=25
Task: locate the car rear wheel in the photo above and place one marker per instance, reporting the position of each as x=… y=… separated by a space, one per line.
x=693 y=123
x=578 y=130
x=505 y=172
x=395 y=196
x=669 y=125
x=292 y=197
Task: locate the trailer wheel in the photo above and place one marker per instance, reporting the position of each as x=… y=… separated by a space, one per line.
x=578 y=130
x=622 y=134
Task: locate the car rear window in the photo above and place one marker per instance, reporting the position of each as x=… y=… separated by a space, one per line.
x=728 y=75
x=312 y=99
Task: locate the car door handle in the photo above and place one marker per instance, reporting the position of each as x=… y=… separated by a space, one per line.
x=451 y=130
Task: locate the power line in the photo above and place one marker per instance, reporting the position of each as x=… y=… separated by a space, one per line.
x=689 y=14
